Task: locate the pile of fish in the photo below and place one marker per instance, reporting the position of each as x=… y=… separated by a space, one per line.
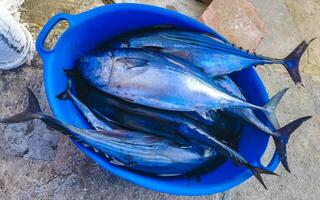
x=161 y=102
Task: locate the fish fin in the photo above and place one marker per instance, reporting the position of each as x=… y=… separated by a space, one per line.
x=281 y=138
x=153 y=48
x=32 y=111
x=257 y=171
x=271 y=106
x=116 y=162
x=237 y=158
x=291 y=62
x=66 y=94
x=113 y=124
x=213 y=34
x=133 y=62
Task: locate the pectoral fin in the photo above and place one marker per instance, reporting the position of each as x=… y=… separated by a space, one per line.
x=132 y=62
x=153 y=48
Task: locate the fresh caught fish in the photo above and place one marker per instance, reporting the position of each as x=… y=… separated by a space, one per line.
x=132 y=74
x=134 y=150
x=92 y=119
x=205 y=139
x=214 y=56
x=218 y=130
x=151 y=120
x=227 y=85
x=98 y=124
x=116 y=115
x=280 y=136
x=152 y=79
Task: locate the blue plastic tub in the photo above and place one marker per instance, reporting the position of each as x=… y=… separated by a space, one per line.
x=87 y=31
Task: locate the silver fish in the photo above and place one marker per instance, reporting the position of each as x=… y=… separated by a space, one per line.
x=155 y=80
x=213 y=55
x=197 y=135
x=134 y=150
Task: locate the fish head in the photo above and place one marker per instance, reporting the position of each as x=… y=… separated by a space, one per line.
x=96 y=67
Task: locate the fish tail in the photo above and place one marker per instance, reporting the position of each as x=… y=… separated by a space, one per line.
x=33 y=111
x=66 y=94
x=291 y=62
x=257 y=171
x=236 y=158
x=271 y=107
x=281 y=138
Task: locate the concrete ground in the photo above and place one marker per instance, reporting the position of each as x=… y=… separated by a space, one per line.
x=38 y=163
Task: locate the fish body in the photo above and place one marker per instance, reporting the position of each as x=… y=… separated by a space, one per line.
x=134 y=150
x=152 y=79
x=105 y=125
x=280 y=135
x=140 y=79
x=201 y=137
x=138 y=151
x=163 y=123
x=246 y=114
x=214 y=56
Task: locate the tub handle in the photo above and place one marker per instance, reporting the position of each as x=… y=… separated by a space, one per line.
x=43 y=51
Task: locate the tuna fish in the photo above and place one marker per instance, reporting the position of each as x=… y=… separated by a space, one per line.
x=280 y=136
x=132 y=74
x=203 y=138
x=155 y=80
x=134 y=150
x=213 y=55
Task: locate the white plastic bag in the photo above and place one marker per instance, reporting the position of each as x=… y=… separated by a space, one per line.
x=16 y=43
x=11 y=5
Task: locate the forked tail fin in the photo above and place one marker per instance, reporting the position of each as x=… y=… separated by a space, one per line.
x=257 y=171
x=281 y=138
x=33 y=111
x=291 y=62
x=66 y=94
x=271 y=106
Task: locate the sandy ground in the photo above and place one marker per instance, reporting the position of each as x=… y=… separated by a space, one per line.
x=38 y=163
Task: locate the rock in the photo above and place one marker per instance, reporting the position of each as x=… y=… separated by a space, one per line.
x=283 y=35
x=42 y=143
x=14 y=140
x=171 y=7
x=191 y=8
x=308 y=25
x=29 y=140
x=207 y=2
x=40 y=11
x=237 y=20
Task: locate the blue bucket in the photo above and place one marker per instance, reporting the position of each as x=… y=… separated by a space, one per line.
x=89 y=30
